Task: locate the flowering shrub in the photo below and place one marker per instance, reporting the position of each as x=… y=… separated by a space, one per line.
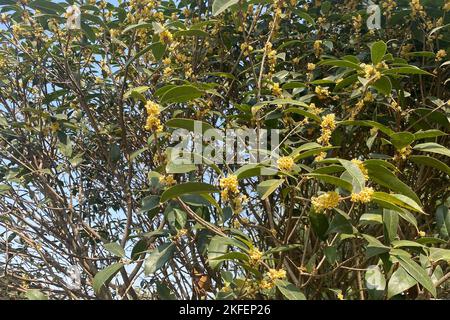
x=354 y=206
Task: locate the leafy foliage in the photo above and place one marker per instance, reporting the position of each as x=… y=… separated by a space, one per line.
x=356 y=207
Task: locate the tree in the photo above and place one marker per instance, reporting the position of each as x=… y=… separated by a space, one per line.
x=351 y=204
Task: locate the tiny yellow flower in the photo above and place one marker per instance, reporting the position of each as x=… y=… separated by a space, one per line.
x=285 y=163
x=275 y=274
x=276 y=90
x=229 y=185
x=325 y=201
x=364 y=196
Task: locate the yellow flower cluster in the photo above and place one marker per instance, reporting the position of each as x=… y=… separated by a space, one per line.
x=246 y=48
x=285 y=163
x=266 y=285
x=318 y=50
x=325 y=201
x=328 y=124
x=440 y=55
x=417 y=9
x=153 y=123
x=313 y=109
x=229 y=185
x=361 y=166
x=388 y=7
x=310 y=67
x=370 y=72
x=322 y=93
x=275 y=274
x=167 y=180
x=357 y=23
x=446 y=6
x=276 y=90
x=403 y=153
x=166 y=36
x=364 y=196
x=255 y=255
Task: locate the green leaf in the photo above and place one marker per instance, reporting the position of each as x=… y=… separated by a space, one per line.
x=136 y=93
x=390 y=221
x=398 y=200
x=406 y=70
x=266 y=188
x=432 y=147
x=367 y=123
x=220 y=6
x=319 y=223
x=383 y=85
x=290 y=291
x=399 y=282
x=417 y=272
x=431 y=162
x=377 y=51
x=35 y=294
x=137 y=153
x=432 y=133
x=386 y=178
x=115 y=249
x=332 y=180
x=187 y=188
x=149 y=202
x=218 y=246
x=105 y=275
x=375 y=247
x=158 y=257
x=375 y=282
x=188 y=124
x=443 y=221
x=402 y=139
x=181 y=94
x=340 y=63
x=47 y=6
x=439 y=254
x=358 y=180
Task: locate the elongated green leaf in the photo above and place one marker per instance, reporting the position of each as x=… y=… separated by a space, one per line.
x=105 y=275
x=402 y=139
x=383 y=85
x=398 y=200
x=218 y=246
x=158 y=257
x=358 y=180
x=418 y=273
x=432 y=147
x=399 y=282
x=187 y=188
x=332 y=180
x=406 y=70
x=390 y=221
x=181 y=94
x=115 y=249
x=431 y=162
x=340 y=63
x=189 y=124
x=375 y=282
x=367 y=123
x=290 y=291
x=220 y=6
x=266 y=188
x=386 y=178
x=377 y=51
